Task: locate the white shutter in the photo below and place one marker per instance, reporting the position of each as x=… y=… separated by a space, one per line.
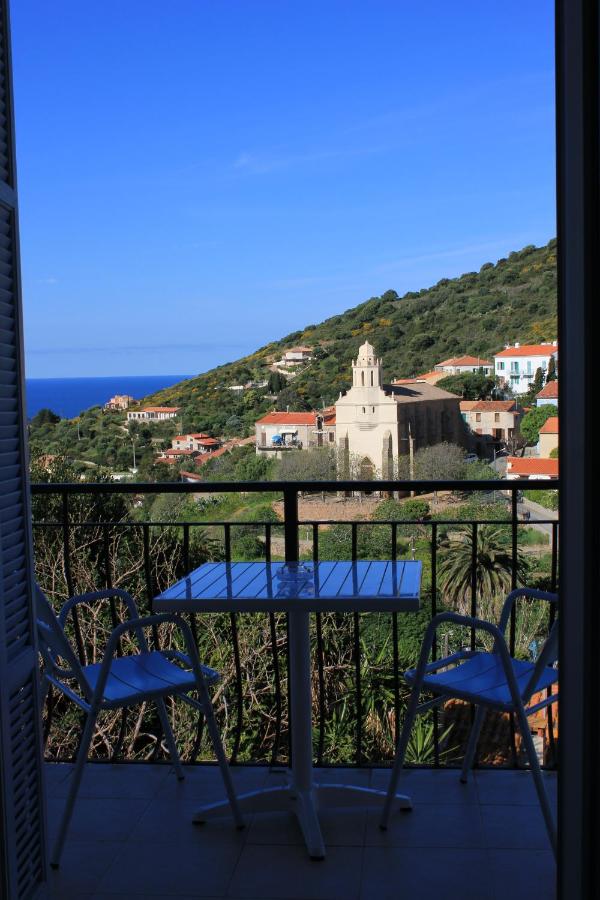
x=22 y=850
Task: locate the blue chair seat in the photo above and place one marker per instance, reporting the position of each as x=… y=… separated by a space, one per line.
x=148 y=673
x=481 y=679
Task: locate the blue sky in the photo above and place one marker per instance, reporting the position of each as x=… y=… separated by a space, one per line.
x=199 y=177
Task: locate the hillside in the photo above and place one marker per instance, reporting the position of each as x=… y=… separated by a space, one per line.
x=477 y=313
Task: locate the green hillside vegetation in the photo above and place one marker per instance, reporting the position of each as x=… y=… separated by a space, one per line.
x=477 y=313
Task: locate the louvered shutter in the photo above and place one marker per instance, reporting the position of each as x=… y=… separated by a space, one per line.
x=22 y=859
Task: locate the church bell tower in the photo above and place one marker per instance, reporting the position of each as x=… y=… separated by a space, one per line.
x=366 y=368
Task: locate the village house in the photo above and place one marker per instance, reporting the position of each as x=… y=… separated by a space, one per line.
x=548 y=394
x=458 y=365
x=548 y=440
x=490 y=423
x=153 y=413
x=530 y=467
x=277 y=432
x=119 y=402
x=516 y=366
x=198 y=441
x=378 y=423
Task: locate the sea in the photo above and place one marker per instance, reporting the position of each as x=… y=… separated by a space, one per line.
x=70 y=396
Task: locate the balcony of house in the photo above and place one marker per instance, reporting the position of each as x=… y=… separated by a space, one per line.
x=132 y=832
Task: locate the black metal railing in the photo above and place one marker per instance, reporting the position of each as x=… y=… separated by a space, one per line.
x=104 y=539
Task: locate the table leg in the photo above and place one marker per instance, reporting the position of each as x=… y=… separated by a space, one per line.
x=302 y=785
x=301 y=795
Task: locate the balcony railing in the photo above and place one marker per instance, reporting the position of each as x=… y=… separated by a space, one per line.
x=85 y=540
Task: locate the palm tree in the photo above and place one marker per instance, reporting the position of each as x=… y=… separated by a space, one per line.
x=493 y=566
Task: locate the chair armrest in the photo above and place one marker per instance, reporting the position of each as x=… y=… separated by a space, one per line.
x=532 y=593
x=467 y=622
x=105 y=594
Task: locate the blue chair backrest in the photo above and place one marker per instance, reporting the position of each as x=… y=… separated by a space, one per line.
x=55 y=646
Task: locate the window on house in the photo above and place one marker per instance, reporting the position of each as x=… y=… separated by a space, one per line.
x=500 y=366
x=478 y=417
x=496 y=417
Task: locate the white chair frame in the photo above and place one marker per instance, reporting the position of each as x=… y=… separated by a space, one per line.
x=54 y=645
x=518 y=704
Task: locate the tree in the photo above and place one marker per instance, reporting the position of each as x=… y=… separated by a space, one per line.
x=538 y=381
x=319 y=464
x=533 y=421
x=290 y=397
x=493 y=562
x=276 y=383
x=470 y=386
x=551 y=373
x=45 y=417
x=440 y=463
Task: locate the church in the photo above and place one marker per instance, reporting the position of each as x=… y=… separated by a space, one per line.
x=376 y=423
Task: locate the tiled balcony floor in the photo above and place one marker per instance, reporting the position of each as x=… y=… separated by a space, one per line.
x=131 y=836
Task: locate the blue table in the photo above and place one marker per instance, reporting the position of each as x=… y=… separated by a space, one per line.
x=299 y=589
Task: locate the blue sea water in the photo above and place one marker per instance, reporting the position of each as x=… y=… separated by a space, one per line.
x=70 y=396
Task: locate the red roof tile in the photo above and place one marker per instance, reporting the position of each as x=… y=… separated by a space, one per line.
x=531 y=466
x=550 y=426
x=465 y=361
x=528 y=350
x=494 y=406
x=549 y=391
x=287 y=418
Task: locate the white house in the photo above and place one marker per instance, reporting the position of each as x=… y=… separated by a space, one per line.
x=516 y=366
x=153 y=413
x=294 y=356
x=457 y=365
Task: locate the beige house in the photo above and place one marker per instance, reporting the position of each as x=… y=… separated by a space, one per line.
x=198 y=441
x=278 y=432
x=490 y=423
x=119 y=401
x=376 y=422
x=548 y=437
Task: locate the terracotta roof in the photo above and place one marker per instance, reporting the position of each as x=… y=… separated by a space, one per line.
x=494 y=406
x=531 y=466
x=160 y=409
x=205 y=457
x=191 y=476
x=466 y=405
x=207 y=441
x=185 y=437
x=549 y=391
x=287 y=418
x=550 y=426
x=465 y=361
x=528 y=350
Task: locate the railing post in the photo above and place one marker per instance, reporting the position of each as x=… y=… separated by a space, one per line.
x=290 y=513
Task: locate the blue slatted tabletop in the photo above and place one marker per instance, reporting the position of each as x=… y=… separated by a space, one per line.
x=360 y=586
